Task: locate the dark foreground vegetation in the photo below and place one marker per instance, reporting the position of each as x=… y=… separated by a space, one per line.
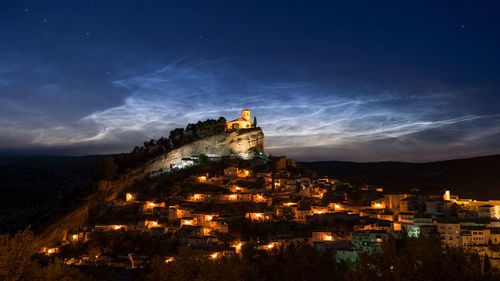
x=407 y=259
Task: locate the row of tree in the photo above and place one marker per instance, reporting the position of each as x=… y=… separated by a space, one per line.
x=399 y=260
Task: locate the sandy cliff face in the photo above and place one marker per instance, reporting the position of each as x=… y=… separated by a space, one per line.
x=223 y=144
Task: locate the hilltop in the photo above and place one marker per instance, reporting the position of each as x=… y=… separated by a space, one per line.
x=477 y=177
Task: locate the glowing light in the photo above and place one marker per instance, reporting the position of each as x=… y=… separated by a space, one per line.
x=197 y=196
x=214 y=255
x=154 y=223
x=209 y=218
x=336 y=206
x=169 y=259
x=320 y=212
x=188 y=222
x=129 y=197
x=377 y=205
x=270 y=246
x=260 y=197
x=447 y=195
x=258 y=215
x=232 y=196
x=75 y=236
x=116 y=227
x=206 y=231
x=328 y=237
x=151 y=204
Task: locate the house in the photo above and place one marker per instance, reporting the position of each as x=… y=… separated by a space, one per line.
x=368 y=241
x=449 y=233
x=204 y=218
x=219 y=225
x=188 y=221
x=234 y=172
x=473 y=236
x=245 y=122
x=437 y=206
x=487 y=211
x=320 y=236
x=199 y=197
x=257 y=217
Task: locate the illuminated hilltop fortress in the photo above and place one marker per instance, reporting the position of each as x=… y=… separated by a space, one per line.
x=245 y=122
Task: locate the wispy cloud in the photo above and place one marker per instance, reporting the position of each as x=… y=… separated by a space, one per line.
x=294 y=114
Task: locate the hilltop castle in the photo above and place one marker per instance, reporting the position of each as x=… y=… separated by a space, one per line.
x=245 y=122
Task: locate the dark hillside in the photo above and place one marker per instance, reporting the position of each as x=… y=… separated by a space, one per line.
x=31 y=186
x=477 y=177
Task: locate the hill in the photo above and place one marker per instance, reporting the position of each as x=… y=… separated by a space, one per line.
x=33 y=185
x=477 y=177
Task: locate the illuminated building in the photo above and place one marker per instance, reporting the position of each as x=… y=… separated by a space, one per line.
x=245 y=122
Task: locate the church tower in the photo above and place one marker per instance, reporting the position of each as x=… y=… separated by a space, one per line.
x=245 y=114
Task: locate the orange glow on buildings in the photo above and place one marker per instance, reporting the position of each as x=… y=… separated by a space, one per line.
x=129 y=197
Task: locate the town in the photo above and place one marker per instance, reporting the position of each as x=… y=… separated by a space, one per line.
x=218 y=204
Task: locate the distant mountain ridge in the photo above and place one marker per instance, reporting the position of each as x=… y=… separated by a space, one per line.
x=477 y=177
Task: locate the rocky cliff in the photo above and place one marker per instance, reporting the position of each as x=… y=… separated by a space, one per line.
x=224 y=144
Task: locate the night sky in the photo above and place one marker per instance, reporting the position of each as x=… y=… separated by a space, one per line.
x=327 y=80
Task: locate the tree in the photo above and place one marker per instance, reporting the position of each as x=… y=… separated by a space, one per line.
x=355 y=196
x=287 y=213
x=255 y=122
x=202 y=158
x=19 y=261
x=419 y=259
x=107 y=169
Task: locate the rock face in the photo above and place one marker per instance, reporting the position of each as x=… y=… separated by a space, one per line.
x=224 y=144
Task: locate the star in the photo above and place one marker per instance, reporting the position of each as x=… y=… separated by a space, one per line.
x=87 y=33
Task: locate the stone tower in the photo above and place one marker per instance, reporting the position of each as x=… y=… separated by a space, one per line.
x=245 y=114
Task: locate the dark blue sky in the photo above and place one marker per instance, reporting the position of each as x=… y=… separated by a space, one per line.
x=346 y=80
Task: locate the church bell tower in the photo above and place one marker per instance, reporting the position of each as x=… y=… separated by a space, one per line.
x=245 y=114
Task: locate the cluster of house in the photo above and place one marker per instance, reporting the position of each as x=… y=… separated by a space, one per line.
x=278 y=198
